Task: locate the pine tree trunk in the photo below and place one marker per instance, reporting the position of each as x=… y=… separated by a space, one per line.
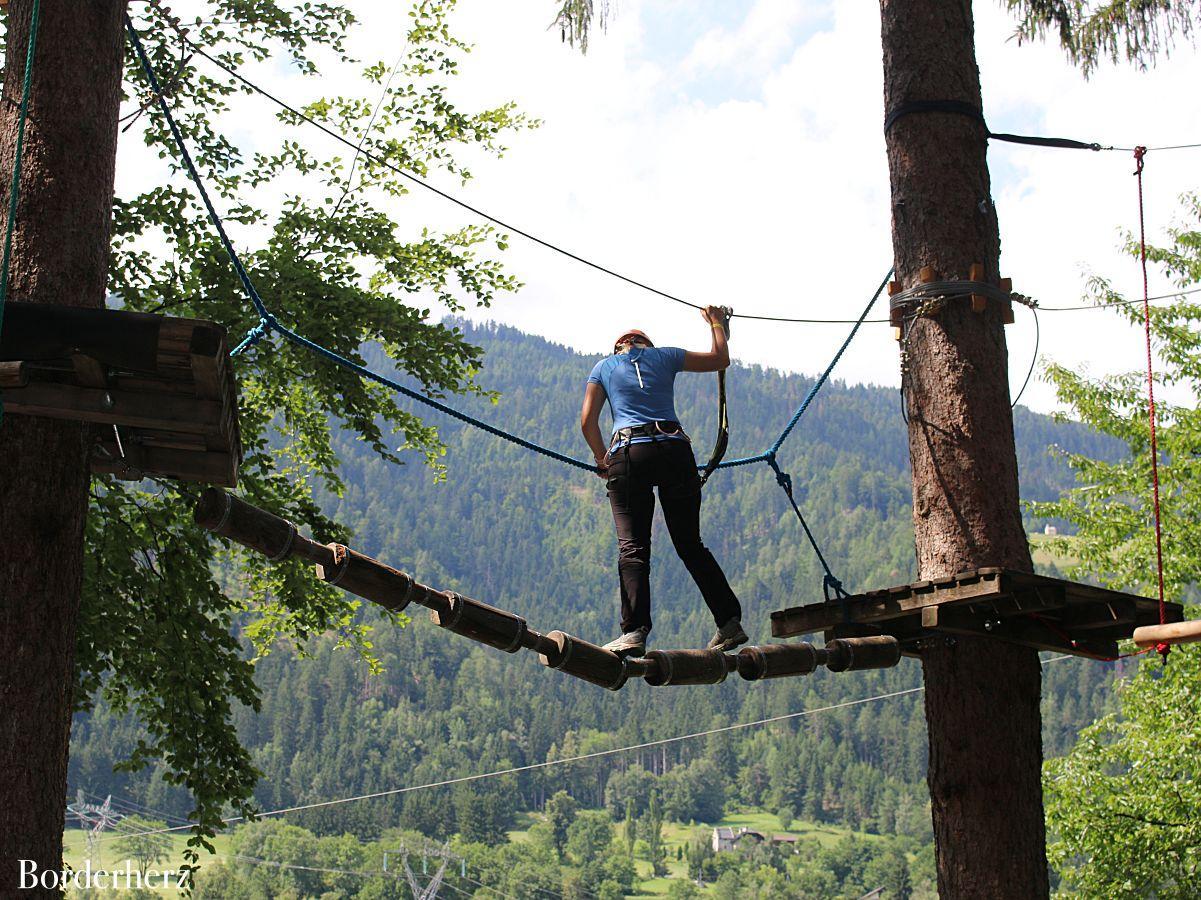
x=60 y=255
x=982 y=696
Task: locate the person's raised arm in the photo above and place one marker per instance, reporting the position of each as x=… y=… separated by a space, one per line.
x=718 y=356
x=594 y=401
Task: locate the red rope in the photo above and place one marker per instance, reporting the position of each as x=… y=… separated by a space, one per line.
x=1075 y=644
x=1139 y=154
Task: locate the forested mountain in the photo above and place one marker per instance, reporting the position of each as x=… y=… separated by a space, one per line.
x=532 y=535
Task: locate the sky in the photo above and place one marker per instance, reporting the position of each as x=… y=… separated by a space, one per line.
x=732 y=153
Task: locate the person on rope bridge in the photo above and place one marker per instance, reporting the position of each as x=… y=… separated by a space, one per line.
x=650 y=449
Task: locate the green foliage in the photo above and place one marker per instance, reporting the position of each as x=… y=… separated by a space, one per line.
x=160 y=598
x=141 y=844
x=1091 y=31
x=560 y=813
x=652 y=833
x=627 y=788
x=1122 y=806
x=1111 y=507
x=590 y=837
x=575 y=18
x=630 y=828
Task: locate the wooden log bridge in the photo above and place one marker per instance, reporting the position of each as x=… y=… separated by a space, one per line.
x=278 y=539
x=1032 y=610
x=158 y=391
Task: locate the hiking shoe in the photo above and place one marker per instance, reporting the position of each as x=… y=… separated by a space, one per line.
x=632 y=643
x=728 y=637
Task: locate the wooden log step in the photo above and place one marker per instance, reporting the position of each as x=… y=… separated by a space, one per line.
x=856 y=654
x=481 y=622
x=777 y=661
x=586 y=661
x=367 y=578
x=690 y=667
x=273 y=536
x=1173 y=633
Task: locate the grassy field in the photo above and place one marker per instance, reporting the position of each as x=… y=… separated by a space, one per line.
x=1044 y=557
x=75 y=853
x=678 y=834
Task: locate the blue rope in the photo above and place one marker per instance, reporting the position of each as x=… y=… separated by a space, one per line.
x=769 y=454
x=428 y=401
x=817 y=385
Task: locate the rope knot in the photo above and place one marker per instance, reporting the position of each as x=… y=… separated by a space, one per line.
x=1139 y=153
x=783 y=479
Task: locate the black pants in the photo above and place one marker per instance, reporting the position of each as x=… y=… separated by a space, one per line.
x=634 y=470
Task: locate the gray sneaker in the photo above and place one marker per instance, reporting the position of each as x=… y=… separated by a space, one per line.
x=728 y=637
x=632 y=643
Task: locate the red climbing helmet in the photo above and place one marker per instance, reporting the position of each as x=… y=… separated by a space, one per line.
x=632 y=333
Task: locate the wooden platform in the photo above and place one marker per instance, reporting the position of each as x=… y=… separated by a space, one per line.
x=1032 y=610
x=158 y=390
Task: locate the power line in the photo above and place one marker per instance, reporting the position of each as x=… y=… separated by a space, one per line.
x=134 y=806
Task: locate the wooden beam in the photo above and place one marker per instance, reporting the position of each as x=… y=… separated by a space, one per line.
x=13 y=374
x=979 y=301
x=873 y=610
x=89 y=371
x=164 y=412
x=1028 y=632
x=200 y=466
x=1174 y=633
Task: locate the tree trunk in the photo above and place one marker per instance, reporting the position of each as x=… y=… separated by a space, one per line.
x=59 y=255
x=982 y=696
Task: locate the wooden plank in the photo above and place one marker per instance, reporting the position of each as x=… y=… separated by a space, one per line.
x=1025 y=631
x=13 y=374
x=207 y=349
x=1097 y=615
x=1093 y=616
x=162 y=412
x=819 y=616
x=1171 y=634
x=979 y=301
x=89 y=372
x=184 y=465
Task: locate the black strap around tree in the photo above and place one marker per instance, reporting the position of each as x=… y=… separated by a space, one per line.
x=723 y=417
x=961 y=108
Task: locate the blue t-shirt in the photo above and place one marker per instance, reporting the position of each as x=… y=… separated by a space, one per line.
x=640 y=384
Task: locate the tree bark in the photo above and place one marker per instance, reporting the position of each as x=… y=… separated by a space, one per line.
x=982 y=696
x=59 y=255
